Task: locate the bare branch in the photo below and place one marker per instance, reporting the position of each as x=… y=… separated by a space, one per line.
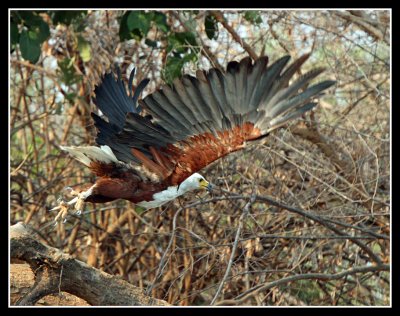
x=56 y=271
x=221 y=19
x=234 y=247
x=308 y=276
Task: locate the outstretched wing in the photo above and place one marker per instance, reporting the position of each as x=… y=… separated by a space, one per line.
x=113 y=101
x=203 y=118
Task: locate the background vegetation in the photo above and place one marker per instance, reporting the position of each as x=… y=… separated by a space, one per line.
x=330 y=247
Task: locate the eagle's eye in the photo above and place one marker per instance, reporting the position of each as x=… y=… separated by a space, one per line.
x=200 y=180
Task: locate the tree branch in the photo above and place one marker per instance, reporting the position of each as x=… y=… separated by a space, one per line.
x=364 y=24
x=315 y=218
x=56 y=271
x=307 y=276
x=221 y=19
x=234 y=247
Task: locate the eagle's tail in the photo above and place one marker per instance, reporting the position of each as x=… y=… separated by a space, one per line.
x=89 y=154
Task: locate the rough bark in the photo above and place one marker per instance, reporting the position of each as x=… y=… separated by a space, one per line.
x=55 y=272
x=21 y=281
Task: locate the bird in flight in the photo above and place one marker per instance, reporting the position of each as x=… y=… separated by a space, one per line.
x=150 y=150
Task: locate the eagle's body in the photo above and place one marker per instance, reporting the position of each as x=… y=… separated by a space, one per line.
x=152 y=158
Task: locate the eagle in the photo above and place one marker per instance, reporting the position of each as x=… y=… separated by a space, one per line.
x=150 y=150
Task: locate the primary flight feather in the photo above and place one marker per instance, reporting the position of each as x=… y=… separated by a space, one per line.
x=150 y=150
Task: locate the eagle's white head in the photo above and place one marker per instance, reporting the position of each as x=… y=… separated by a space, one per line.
x=194 y=182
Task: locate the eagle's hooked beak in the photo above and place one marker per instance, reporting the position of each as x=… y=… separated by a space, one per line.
x=206 y=185
x=209 y=187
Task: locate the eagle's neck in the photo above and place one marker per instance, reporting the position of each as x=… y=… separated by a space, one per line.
x=162 y=197
x=172 y=192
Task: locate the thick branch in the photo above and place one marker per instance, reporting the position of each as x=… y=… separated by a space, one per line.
x=56 y=271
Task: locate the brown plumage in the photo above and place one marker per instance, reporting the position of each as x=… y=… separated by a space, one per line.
x=199 y=151
x=186 y=127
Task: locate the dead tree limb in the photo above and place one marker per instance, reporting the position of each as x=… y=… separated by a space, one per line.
x=55 y=272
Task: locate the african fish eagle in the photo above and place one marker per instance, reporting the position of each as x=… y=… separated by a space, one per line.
x=150 y=150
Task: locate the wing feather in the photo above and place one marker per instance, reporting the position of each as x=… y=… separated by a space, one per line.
x=201 y=119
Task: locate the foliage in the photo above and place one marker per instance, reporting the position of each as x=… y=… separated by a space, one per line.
x=68 y=72
x=137 y=24
x=253 y=17
x=29 y=31
x=334 y=166
x=211 y=27
x=73 y=17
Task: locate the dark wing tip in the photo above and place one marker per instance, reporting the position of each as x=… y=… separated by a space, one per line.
x=329 y=83
x=130 y=82
x=112 y=98
x=139 y=89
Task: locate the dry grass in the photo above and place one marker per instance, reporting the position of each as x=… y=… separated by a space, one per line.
x=228 y=248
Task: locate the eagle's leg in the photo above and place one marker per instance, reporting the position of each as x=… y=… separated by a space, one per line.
x=77 y=201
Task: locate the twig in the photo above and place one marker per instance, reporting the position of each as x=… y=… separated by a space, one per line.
x=234 y=247
x=162 y=261
x=368 y=250
x=309 y=276
x=363 y=24
x=221 y=19
x=317 y=219
x=204 y=49
x=234 y=196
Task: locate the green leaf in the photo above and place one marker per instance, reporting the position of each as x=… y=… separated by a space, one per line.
x=26 y=17
x=71 y=97
x=186 y=38
x=14 y=34
x=173 y=68
x=139 y=210
x=29 y=46
x=253 y=17
x=15 y=17
x=211 y=26
x=150 y=43
x=67 y=16
x=34 y=36
x=174 y=65
x=139 y=20
x=68 y=72
x=35 y=23
x=135 y=24
x=160 y=19
x=35 y=32
x=42 y=30
x=84 y=49
x=180 y=42
x=124 y=33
